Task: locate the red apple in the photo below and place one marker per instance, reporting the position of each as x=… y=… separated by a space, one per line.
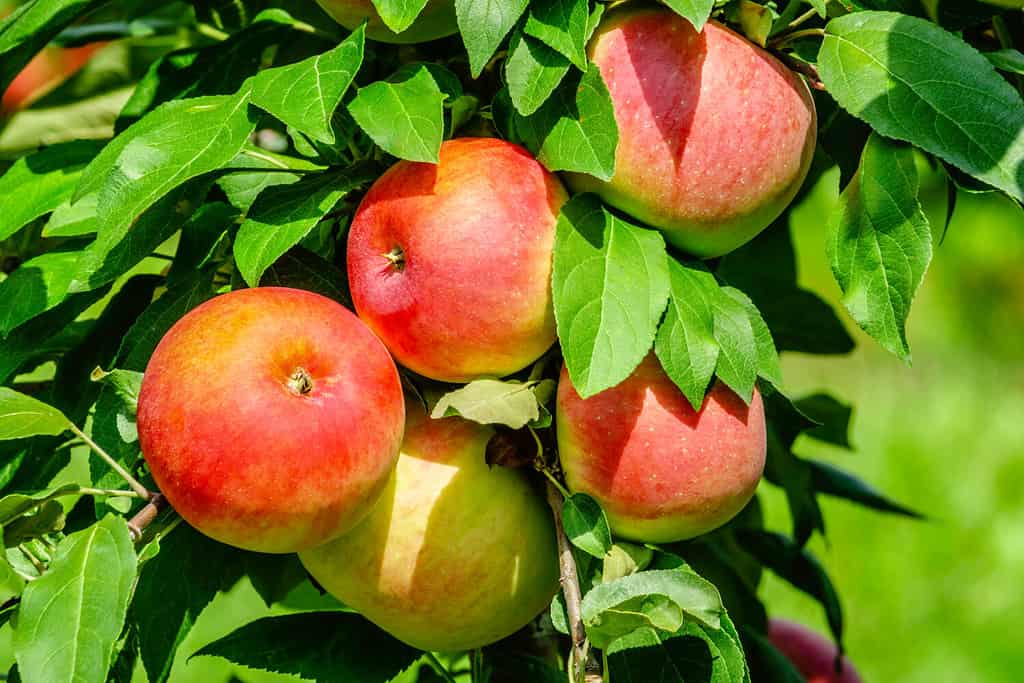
x=662 y=471
x=437 y=20
x=456 y=555
x=46 y=70
x=450 y=264
x=271 y=418
x=813 y=655
x=715 y=134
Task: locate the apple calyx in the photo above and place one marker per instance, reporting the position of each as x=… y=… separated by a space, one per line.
x=396 y=258
x=300 y=382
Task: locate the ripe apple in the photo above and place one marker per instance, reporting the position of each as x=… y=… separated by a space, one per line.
x=437 y=20
x=715 y=134
x=456 y=554
x=450 y=264
x=271 y=418
x=46 y=70
x=662 y=471
x=813 y=655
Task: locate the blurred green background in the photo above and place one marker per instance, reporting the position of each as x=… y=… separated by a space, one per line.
x=924 y=601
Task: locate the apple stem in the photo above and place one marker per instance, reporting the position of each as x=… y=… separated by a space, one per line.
x=440 y=668
x=143 y=492
x=570 y=588
x=142 y=519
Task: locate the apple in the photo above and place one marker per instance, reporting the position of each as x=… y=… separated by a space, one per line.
x=437 y=20
x=813 y=655
x=271 y=418
x=450 y=264
x=715 y=134
x=662 y=471
x=456 y=555
x=43 y=73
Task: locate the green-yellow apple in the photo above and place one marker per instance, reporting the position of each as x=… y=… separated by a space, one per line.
x=437 y=20
x=715 y=134
x=456 y=554
x=662 y=471
x=271 y=418
x=450 y=264
x=813 y=655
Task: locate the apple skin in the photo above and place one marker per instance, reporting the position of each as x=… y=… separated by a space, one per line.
x=456 y=555
x=437 y=20
x=661 y=471
x=715 y=135
x=813 y=655
x=237 y=448
x=44 y=72
x=472 y=296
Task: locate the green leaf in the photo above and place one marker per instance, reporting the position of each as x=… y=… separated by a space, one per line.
x=575 y=129
x=125 y=384
x=533 y=71
x=38 y=285
x=624 y=559
x=243 y=187
x=283 y=214
x=766 y=662
x=48 y=518
x=273 y=576
x=913 y=81
x=174 y=143
x=1009 y=60
x=174 y=588
x=610 y=285
x=205 y=238
x=562 y=26
x=71 y=617
x=71 y=220
x=643 y=657
x=833 y=418
x=764 y=345
x=797 y=567
x=783 y=468
x=11 y=584
x=22 y=416
x=15 y=505
x=686 y=344
x=696 y=12
x=491 y=401
x=765 y=269
x=305 y=95
x=483 y=24
x=38 y=183
x=302 y=269
x=405 y=117
x=659 y=599
x=398 y=15
x=217 y=69
x=140 y=341
x=879 y=243
x=832 y=481
x=30 y=27
x=738 y=356
x=48 y=335
x=119 y=247
x=320 y=646
x=586 y=525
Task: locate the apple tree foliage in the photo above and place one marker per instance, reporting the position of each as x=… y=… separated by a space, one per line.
x=221 y=144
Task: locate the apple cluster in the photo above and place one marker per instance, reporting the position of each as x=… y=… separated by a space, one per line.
x=274 y=419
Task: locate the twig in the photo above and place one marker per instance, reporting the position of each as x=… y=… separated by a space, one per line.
x=806 y=16
x=802 y=67
x=787 y=38
x=570 y=589
x=145 y=516
x=143 y=492
x=436 y=664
